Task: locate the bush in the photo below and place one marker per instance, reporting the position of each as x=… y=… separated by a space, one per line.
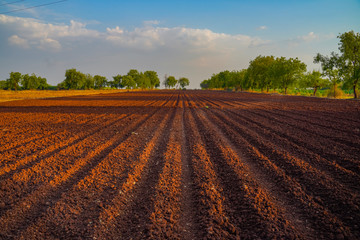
x=338 y=92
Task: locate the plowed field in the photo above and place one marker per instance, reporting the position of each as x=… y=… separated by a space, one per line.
x=180 y=165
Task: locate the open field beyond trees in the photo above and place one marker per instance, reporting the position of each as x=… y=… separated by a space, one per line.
x=7 y=95
x=180 y=165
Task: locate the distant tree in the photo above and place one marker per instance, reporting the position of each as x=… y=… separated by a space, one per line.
x=3 y=84
x=73 y=79
x=100 y=82
x=239 y=79
x=153 y=77
x=143 y=81
x=205 y=84
x=183 y=82
x=349 y=61
x=171 y=82
x=128 y=82
x=259 y=71
x=28 y=83
x=313 y=80
x=135 y=76
x=42 y=83
x=287 y=71
x=33 y=82
x=117 y=82
x=224 y=79
x=14 y=80
x=330 y=69
x=89 y=82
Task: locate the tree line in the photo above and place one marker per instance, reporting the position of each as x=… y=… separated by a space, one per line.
x=18 y=81
x=133 y=79
x=75 y=79
x=172 y=82
x=268 y=72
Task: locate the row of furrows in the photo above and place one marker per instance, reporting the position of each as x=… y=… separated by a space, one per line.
x=213 y=220
x=250 y=205
x=129 y=214
x=165 y=218
x=246 y=209
x=50 y=145
x=340 y=155
x=90 y=207
x=316 y=187
x=339 y=129
x=189 y=172
x=75 y=134
x=323 y=112
x=27 y=196
x=312 y=124
x=56 y=173
x=29 y=173
x=39 y=128
x=333 y=167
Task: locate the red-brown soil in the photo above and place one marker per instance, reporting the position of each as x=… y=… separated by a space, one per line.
x=180 y=165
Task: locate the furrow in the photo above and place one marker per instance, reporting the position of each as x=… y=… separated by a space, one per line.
x=166 y=214
x=47 y=151
x=81 y=207
x=34 y=205
x=297 y=148
x=214 y=222
x=296 y=176
x=128 y=215
x=244 y=196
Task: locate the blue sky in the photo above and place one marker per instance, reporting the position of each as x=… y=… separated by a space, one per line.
x=182 y=38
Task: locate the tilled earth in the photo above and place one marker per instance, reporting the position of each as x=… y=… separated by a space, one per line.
x=180 y=165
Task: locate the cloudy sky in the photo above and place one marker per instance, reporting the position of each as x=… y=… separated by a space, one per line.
x=192 y=39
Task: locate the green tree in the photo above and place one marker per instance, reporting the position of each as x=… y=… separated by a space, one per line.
x=259 y=72
x=100 y=82
x=33 y=82
x=170 y=82
x=286 y=72
x=205 y=84
x=128 y=82
x=330 y=69
x=89 y=82
x=239 y=79
x=313 y=80
x=143 y=81
x=14 y=80
x=153 y=77
x=135 y=76
x=183 y=82
x=73 y=79
x=224 y=79
x=42 y=83
x=3 y=84
x=117 y=81
x=26 y=84
x=349 y=61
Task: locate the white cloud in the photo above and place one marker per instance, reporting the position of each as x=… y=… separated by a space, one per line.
x=305 y=39
x=42 y=35
x=115 y=31
x=309 y=37
x=18 y=41
x=151 y=22
x=53 y=36
x=262 y=28
x=49 y=44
